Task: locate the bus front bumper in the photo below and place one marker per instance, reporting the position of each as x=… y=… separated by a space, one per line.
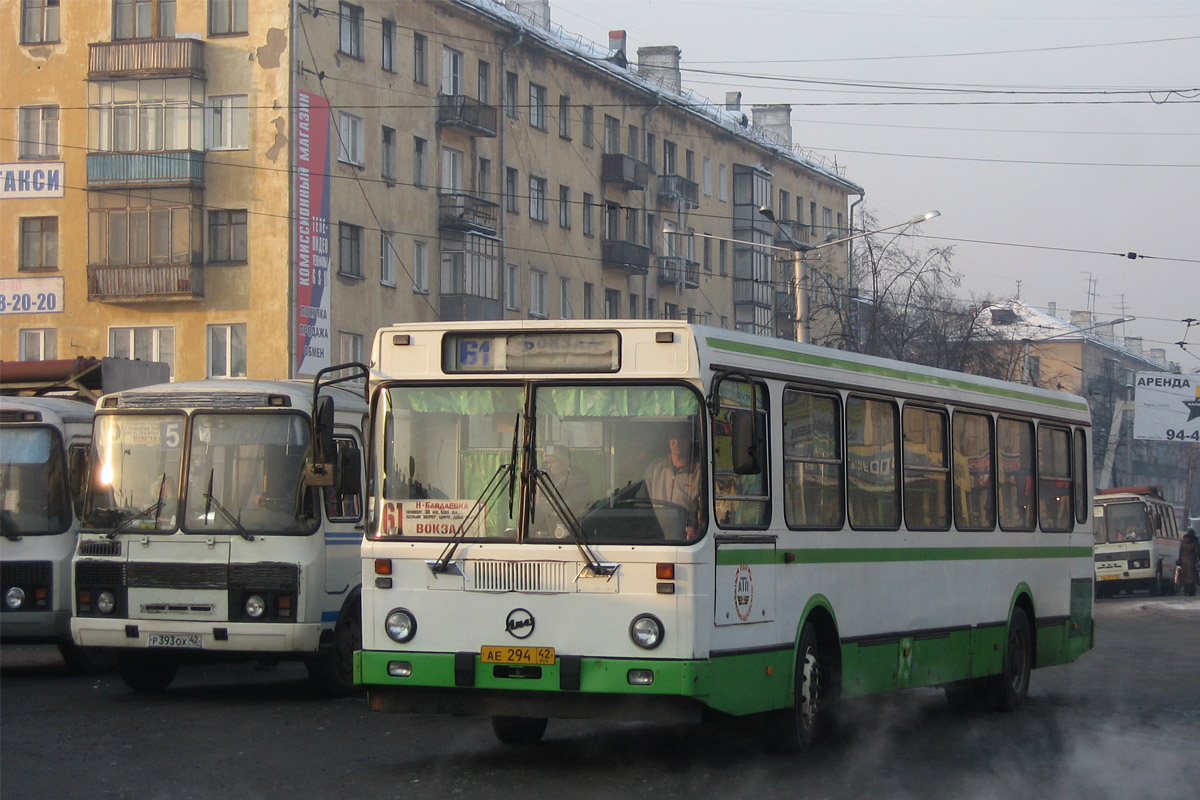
x=209 y=637
x=35 y=627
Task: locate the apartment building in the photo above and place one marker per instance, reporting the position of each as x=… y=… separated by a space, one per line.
x=252 y=188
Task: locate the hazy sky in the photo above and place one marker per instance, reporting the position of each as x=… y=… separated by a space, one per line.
x=1050 y=133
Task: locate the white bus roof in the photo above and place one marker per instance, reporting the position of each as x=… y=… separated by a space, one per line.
x=61 y=409
x=231 y=393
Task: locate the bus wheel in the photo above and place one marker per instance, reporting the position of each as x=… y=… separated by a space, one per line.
x=333 y=669
x=147 y=672
x=519 y=730
x=1009 y=689
x=795 y=729
x=87 y=660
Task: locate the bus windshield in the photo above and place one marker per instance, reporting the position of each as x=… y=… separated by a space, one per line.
x=246 y=473
x=135 y=472
x=608 y=462
x=1122 y=522
x=33 y=493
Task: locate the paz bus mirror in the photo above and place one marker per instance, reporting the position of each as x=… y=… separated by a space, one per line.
x=745 y=451
x=320 y=472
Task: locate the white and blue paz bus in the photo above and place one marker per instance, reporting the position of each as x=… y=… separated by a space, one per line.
x=651 y=520
x=223 y=520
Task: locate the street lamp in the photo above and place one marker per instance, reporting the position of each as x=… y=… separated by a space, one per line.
x=798 y=249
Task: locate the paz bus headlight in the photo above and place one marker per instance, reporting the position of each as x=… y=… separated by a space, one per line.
x=256 y=606
x=401 y=626
x=14 y=598
x=106 y=602
x=646 y=631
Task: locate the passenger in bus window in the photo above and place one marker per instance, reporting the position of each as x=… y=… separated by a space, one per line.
x=675 y=477
x=572 y=483
x=1187 y=563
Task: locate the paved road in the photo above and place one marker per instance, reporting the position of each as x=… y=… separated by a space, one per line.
x=1122 y=722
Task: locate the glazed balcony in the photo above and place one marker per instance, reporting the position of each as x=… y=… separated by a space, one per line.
x=625 y=171
x=467 y=113
x=175 y=168
x=146 y=284
x=146 y=57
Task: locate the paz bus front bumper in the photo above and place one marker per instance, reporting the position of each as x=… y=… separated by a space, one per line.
x=206 y=637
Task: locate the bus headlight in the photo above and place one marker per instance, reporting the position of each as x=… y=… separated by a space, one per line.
x=646 y=631
x=14 y=598
x=401 y=626
x=106 y=602
x=256 y=606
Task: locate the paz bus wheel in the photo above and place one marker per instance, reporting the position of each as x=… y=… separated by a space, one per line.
x=87 y=660
x=147 y=672
x=333 y=669
x=519 y=730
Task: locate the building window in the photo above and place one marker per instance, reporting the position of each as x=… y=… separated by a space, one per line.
x=452 y=171
x=226 y=237
x=452 y=71
x=143 y=227
x=706 y=176
x=511 y=87
x=144 y=343
x=564 y=207
x=537 y=199
x=143 y=19
x=350 y=28
x=650 y=150
x=589 y=301
x=722 y=258
x=612 y=135
x=512 y=287
x=350 y=250
x=387 y=150
x=418 y=161
x=589 y=122
x=589 y=206
x=723 y=183
x=39 y=131
x=564 y=299
x=350 y=139
x=612 y=303
x=39 y=243
x=420 y=267
x=564 y=116
x=228 y=120
x=485 y=83
x=669 y=167
x=146 y=115
x=483 y=180
x=350 y=347
x=537 y=294
x=39 y=21
x=511 y=181
x=227 y=351
x=226 y=17
x=420 y=51
x=387 y=45
x=537 y=106
x=387 y=258
x=38 y=344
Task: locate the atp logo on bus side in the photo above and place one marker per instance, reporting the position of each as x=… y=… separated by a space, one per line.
x=743 y=592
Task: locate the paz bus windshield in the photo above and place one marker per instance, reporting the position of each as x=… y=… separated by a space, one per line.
x=33 y=490
x=608 y=462
x=1122 y=522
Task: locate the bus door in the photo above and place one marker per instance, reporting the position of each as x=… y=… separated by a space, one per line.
x=344 y=515
x=745 y=584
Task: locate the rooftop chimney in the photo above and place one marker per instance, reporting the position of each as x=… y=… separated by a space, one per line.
x=661 y=65
x=536 y=11
x=1052 y=308
x=775 y=119
x=617 y=43
x=1159 y=354
x=1134 y=344
x=1081 y=319
x=733 y=101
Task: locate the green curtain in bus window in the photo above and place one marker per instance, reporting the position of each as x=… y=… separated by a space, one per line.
x=926 y=472
x=872 y=497
x=1054 y=478
x=1014 y=472
x=812 y=455
x=974 y=483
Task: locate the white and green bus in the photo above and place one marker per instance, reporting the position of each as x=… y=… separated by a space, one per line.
x=222 y=521
x=741 y=526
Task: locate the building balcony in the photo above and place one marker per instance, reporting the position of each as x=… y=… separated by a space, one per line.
x=146 y=57
x=757 y=293
x=628 y=257
x=785 y=304
x=798 y=232
x=678 y=189
x=460 y=111
x=678 y=271
x=175 y=168
x=145 y=284
x=625 y=171
x=466 y=212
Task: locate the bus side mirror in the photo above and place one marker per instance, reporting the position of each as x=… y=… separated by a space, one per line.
x=746 y=451
x=319 y=471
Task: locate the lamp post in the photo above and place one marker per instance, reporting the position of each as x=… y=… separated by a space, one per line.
x=799 y=249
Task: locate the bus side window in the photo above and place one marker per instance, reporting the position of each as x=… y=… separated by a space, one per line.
x=78 y=460
x=343 y=500
x=741 y=498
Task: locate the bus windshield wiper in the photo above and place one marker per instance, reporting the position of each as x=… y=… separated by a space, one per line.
x=155 y=508
x=491 y=490
x=211 y=502
x=564 y=512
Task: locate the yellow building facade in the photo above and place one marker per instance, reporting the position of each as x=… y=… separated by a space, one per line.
x=252 y=188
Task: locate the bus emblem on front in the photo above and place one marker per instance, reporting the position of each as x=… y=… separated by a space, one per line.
x=519 y=623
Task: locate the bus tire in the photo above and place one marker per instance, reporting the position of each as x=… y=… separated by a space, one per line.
x=519 y=730
x=147 y=672
x=87 y=660
x=796 y=729
x=333 y=669
x=1006 y=691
